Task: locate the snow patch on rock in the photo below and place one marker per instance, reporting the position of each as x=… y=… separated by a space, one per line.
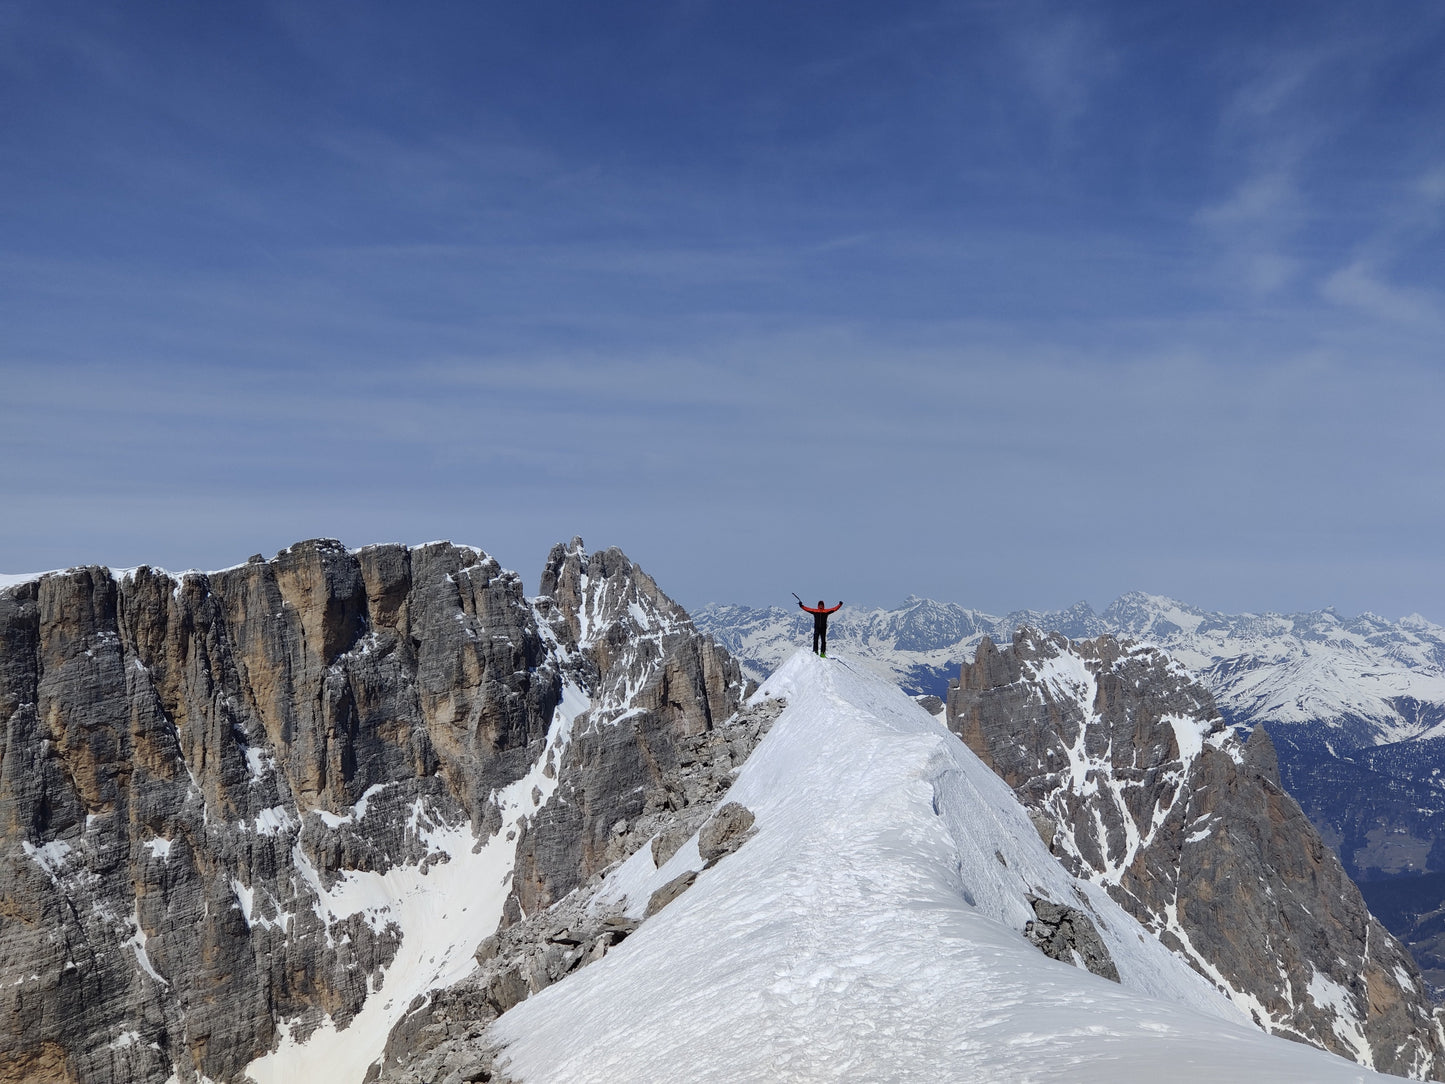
x=441 y=908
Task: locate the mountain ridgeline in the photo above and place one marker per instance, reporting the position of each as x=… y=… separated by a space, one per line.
x=224 y=796
x=1355 y=708
x=332 y=814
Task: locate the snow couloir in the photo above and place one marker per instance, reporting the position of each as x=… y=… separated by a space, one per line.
x=873 y=929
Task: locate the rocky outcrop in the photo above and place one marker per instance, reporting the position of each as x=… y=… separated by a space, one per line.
x=659 y=690
x=727 y=830
x=1136 y=782
x=445 y=1033
x=1068 y=934
x=670 y=891
x=211 y=784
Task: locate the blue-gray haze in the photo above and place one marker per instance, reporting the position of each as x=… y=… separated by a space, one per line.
x=1010 y=303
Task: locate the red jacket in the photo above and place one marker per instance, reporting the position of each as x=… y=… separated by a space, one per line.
x=825 y=610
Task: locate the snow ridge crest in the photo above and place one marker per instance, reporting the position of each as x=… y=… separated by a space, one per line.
x=873 y=929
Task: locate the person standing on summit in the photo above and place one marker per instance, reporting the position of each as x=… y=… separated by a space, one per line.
x=820 y=625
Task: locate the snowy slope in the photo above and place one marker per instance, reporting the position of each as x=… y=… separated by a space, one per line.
x=872 y=931
x=1381 y=681
x=440 y=909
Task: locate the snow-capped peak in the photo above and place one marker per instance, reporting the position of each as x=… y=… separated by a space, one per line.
x=1384 y=681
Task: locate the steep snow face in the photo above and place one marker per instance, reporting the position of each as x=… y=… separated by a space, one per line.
x=1384 y=680
x=872 y=930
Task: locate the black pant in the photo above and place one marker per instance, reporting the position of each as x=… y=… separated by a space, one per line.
x=820 y=639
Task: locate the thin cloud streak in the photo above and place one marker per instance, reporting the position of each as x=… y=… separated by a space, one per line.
x=1009 y=304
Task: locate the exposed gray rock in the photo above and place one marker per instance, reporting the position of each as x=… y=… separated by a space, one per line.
x=1044 y=824
x=1136 y=783
x=662 y=690
x=727 y=830
x=670 y=891
x=187 y=760
x=1068 y=934
x=668 y=842
x=170 y=739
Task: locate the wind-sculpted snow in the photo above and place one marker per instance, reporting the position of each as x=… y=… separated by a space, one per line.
x=1356 y=707
x=872 y=929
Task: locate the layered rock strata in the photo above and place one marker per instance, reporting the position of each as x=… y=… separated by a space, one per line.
x=216 y=789
x=1135 y=782
x=629 y=748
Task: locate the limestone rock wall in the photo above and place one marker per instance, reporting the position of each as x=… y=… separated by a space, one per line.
x=658 y=683
x=190 y=766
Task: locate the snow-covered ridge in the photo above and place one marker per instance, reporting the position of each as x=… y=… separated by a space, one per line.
x=12 y=579
x=1385 y=680
x=872 y=929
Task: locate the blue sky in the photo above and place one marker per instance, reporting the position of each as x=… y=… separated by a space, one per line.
x=1010 y=304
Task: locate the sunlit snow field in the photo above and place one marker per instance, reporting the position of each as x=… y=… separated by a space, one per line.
x=872 y=931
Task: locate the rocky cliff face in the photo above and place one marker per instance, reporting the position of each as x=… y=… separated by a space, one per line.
x=223 y=795
x=444 y=1036
x=657 y=683
x=1136 y=783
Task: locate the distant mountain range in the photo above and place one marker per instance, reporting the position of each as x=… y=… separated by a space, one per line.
x=1356 y=707
x=1372 y=681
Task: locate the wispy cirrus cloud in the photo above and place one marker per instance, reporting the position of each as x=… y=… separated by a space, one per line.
x=1062 y=58
x=1305 y=193
x=1264 y=137
x=1371 y=282
x=1361 y=285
